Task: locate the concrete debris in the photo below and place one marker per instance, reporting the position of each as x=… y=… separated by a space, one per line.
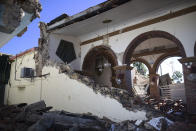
x=30 y=6
x=166 y=105
x=13 y=11
x=36 y=106
x=181 y=126
x=11 y=17
x=37 y=117
x=165 y=80
x=22 y=32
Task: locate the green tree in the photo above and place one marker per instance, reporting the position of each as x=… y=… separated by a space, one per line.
x=140 y=67
x=177 y=76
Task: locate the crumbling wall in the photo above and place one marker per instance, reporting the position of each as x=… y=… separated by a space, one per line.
x=67 y=91
x=43 y=59
x=56 y=38
x=48 y=44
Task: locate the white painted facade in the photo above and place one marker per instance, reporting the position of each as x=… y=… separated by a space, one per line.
x=182 y=27
x=63 y=93
x=54 y=41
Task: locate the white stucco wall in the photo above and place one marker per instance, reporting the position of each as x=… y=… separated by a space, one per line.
x=183 y=28
x=54 y=41
x=63 y=93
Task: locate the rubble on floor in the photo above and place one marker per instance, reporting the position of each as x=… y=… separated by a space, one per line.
x=173 y=109
x=38 y=117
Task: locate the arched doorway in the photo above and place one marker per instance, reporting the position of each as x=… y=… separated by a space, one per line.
x=171 y=81
x=151 y=46
x=162 y=58
x=98 y=65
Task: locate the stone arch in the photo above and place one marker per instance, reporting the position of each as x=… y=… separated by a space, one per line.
x=144 y=62
x=105 y=51
x=147 y=35
x=162 y=58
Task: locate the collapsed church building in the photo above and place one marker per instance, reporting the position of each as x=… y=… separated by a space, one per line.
x=82 y=63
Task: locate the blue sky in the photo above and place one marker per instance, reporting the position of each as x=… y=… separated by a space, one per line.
x=51 y=10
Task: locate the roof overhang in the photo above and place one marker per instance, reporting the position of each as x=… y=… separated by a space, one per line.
x=65 y=20
x=122 y=16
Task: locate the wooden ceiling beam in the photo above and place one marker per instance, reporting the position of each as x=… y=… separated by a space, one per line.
x=153 y=52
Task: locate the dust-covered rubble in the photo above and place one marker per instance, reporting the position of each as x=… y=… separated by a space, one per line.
x=38 y=117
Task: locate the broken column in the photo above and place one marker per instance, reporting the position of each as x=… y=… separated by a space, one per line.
x=189 y=68
x=124 y=77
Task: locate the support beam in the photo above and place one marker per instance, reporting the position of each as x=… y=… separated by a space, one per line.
x=169 y=50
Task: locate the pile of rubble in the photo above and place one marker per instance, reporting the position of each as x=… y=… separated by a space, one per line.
x=174 y=109
x=38 y=117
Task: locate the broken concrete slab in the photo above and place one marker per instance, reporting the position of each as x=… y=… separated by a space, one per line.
x=36 y=106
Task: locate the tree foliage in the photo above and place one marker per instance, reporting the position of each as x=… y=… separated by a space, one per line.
x=140 y=67
x=177 y=76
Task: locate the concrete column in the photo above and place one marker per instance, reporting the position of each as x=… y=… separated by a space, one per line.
x=189 y=68
x=125 y=76
x=154 y=89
